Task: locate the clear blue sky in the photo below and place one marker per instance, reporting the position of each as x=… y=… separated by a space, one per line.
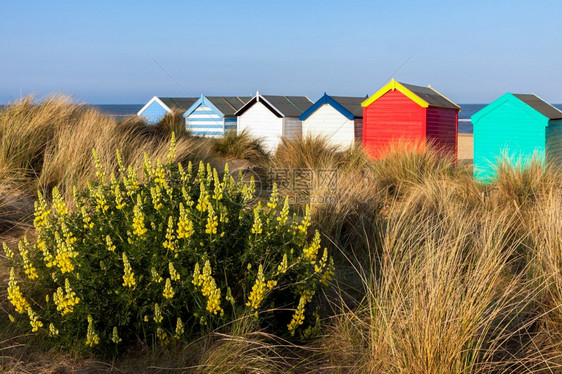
x=99 y=51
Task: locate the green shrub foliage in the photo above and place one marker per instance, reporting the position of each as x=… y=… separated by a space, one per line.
x=160 y=257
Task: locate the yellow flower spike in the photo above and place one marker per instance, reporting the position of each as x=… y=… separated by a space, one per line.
x=197 y=279
x=248 y=191
x=159 y=174
x=30 y=271
x=218 y=191
x=282 y=268
x=305 y=223
x=101 y=202
x=129 y=276
x=99 y=168
x=157 y=314
x=162 y=336
x=109 y=244
x=185 y=225
x=42 y=212
x=138 y=220
x=115 y=336
x=212 y=223
x=257 y=227
x=229 y=296
x=168 y=292
x=174 y=275
x=209 y=174
x=328 y=274
x=92 y=338
x=203 y=201
x=112 y=180
x=298 y=316
x=64 y=251
x=65 y=300
x=170 y=242
x=156 y=194
x=7 y=251
x=274 y=198
x=120 y=163
x=226 y=177
x=172 y=153
x=258 y=291
x=179 y=328
x=284 y=215
x=186 y=197
x=58 y=203
x=119 y=202
x=34 y=321
x=155 y=276
x=88 y=224
x=223 y=214
x=322 y=263
x=47 y=256
x=14 y=294
x=209 y=287
x=52 y=330
x=12 y=318
x=131 y=182
x=183 y=174
x=201 y=172
x=147 y=166
x=311 y=251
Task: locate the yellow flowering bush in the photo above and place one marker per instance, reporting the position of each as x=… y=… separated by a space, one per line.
x=162 y=256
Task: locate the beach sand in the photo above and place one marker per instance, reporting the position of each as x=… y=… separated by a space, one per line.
x=466 y=149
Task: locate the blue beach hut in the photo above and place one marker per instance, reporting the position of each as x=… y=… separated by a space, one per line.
x=158 y=107
x=338 y=119
x=214 y=115
x=519 y=127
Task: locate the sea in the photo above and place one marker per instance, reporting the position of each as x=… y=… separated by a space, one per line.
x=465 y=127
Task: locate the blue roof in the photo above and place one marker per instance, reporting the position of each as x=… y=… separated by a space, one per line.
x=349 y=107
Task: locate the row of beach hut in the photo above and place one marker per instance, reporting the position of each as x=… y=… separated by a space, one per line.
x=516 y=126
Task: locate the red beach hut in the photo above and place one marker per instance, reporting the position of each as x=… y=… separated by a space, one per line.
x=401 y=112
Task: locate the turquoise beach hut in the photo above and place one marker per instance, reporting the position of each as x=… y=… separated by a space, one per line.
x=214 y=115
x=519 y=127
x=158 y=107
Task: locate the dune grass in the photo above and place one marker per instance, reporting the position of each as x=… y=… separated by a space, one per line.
x=435 y=272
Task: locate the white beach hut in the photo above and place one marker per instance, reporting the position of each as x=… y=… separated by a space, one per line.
x=272 y=117
x=338 y=119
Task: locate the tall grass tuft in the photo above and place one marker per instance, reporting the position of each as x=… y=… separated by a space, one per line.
x=306 y=153
x=439 y=297
x=404 y=165
x=172 y=123
x=523 y=183
x=241 y=146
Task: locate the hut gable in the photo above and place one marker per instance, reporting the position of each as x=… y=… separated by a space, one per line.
x=349 y=107
x=423 y=96
x=516 y=128
x=281 y=106
x=401 y=112
x=272 y=117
